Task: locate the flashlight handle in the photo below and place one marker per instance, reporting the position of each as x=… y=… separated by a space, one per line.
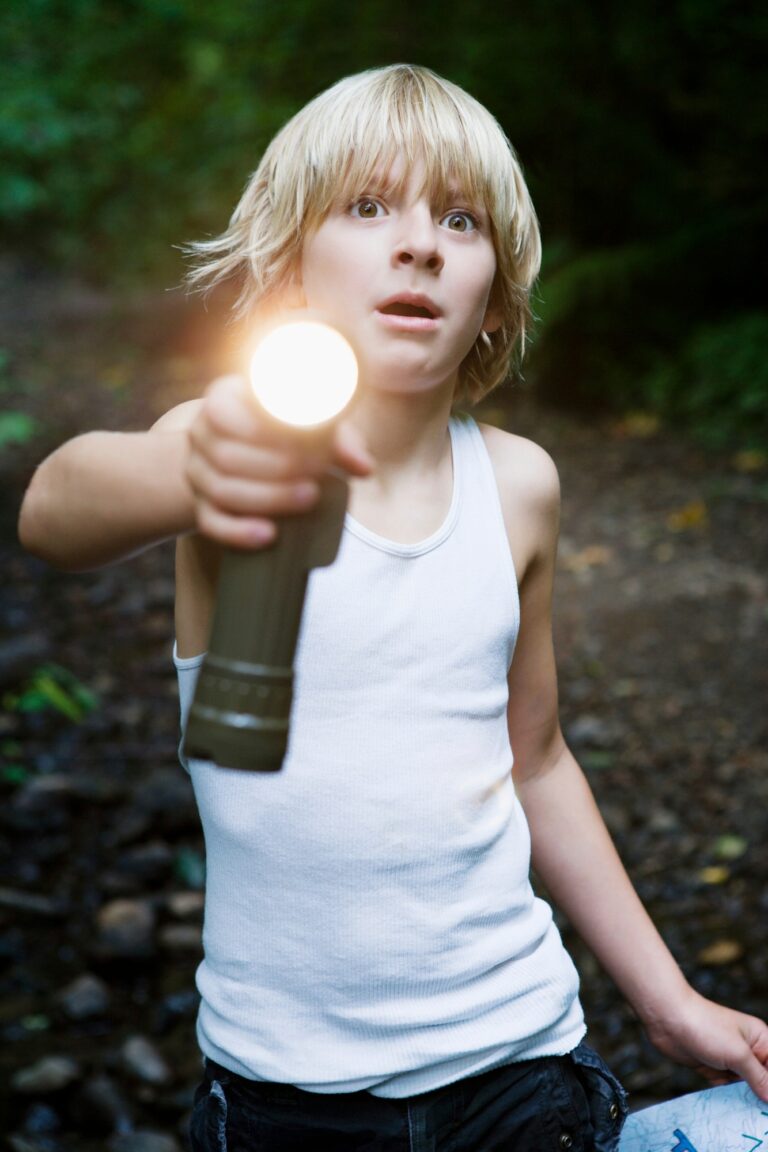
x=239 y=716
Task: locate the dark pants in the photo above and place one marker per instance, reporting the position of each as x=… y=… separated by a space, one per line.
x=558 y=1104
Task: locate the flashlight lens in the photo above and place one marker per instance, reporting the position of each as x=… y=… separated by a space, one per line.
x=304 y=373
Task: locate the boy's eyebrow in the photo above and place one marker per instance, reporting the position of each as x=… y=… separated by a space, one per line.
x=457 y=196
x=380 y=181
x=377 y=181
x=460 y=193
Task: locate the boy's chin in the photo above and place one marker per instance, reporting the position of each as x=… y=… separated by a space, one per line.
x=400 y=382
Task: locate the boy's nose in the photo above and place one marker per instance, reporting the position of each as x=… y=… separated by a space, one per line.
x=418 y=241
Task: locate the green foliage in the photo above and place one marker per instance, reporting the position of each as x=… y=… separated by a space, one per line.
x=730 y=847
x=668 y=323
x=717 y=384
x=128 y=127
x=12 y=771
x=189 y=867
x=16 y=428
x=14 y=774
x=115 y=113
x=53 y=689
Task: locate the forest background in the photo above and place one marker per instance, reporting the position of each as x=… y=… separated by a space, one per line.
x=129 y=127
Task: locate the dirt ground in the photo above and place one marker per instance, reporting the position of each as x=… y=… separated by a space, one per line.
x=661 y=627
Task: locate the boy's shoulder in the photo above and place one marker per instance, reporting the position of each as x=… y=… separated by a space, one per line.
x=529 y=493
x=524 y=470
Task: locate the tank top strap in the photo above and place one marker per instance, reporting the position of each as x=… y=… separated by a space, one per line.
x=474 y=471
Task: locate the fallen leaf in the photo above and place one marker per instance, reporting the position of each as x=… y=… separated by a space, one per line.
x=730 y=847
x=721 y=952
x=638 y=425
x=590 y=557
x=750 y=460
x=692 y=515
x=715 y=874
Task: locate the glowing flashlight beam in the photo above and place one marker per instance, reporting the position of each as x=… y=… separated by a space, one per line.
x=304 y=373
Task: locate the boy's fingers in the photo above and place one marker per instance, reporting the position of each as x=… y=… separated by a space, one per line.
x=755 y=1074
x=755 y=1064
x=229 y=410
x=249 y=461
x=225 y=390
x=236 y=495
x=748 y=1057
x=235 y=438
x=230 y=416
x=235 y=531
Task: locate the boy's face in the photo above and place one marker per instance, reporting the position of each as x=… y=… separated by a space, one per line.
x=408 y=279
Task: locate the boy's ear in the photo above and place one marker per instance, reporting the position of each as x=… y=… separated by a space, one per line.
x=291 y=292
x=493 y=317
x=494 y=314
x=292 y=295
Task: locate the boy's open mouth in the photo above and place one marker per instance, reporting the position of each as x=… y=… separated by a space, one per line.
x=401 y=309
x=418 y=306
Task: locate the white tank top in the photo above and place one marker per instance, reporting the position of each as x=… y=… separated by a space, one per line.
x=369 y=920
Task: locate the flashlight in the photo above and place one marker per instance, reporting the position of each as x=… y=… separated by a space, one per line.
x=303 y=374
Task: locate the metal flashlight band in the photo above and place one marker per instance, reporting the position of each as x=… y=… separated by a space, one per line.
x=241 y=709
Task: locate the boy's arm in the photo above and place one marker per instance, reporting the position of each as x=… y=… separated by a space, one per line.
x=104 y=496
x=210 y=465
x=573 y=851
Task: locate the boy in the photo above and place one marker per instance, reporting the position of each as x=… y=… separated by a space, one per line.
x=378 y=973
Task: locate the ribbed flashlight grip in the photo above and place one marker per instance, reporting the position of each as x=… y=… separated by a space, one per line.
x=240 y=714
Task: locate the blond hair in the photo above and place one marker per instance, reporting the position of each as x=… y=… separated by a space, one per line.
x=330 y=151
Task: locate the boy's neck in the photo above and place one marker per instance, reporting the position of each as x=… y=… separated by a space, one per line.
x=405 y=433
x=407 y=496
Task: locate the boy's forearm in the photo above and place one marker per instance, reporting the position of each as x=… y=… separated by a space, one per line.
x=105 y=496
x=576 y=858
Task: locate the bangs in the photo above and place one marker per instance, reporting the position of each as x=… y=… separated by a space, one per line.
x=448 y=170
x=357 y=131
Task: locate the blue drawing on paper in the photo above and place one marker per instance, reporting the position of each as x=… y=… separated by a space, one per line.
x=727 y=1119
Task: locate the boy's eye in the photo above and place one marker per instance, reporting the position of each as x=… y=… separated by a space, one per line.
x=459 y=222
x=367 y=208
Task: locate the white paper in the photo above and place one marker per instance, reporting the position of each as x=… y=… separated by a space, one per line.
x=727 y=1119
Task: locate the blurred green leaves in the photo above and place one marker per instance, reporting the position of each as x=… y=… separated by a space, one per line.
x=128 y=127
x=717 y=383
x=120 y=122
x=16 y=428
x=189 y=866
x=52 y=688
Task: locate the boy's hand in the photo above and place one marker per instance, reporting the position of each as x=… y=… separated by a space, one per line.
x=245 y=470
x=721 y=1044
